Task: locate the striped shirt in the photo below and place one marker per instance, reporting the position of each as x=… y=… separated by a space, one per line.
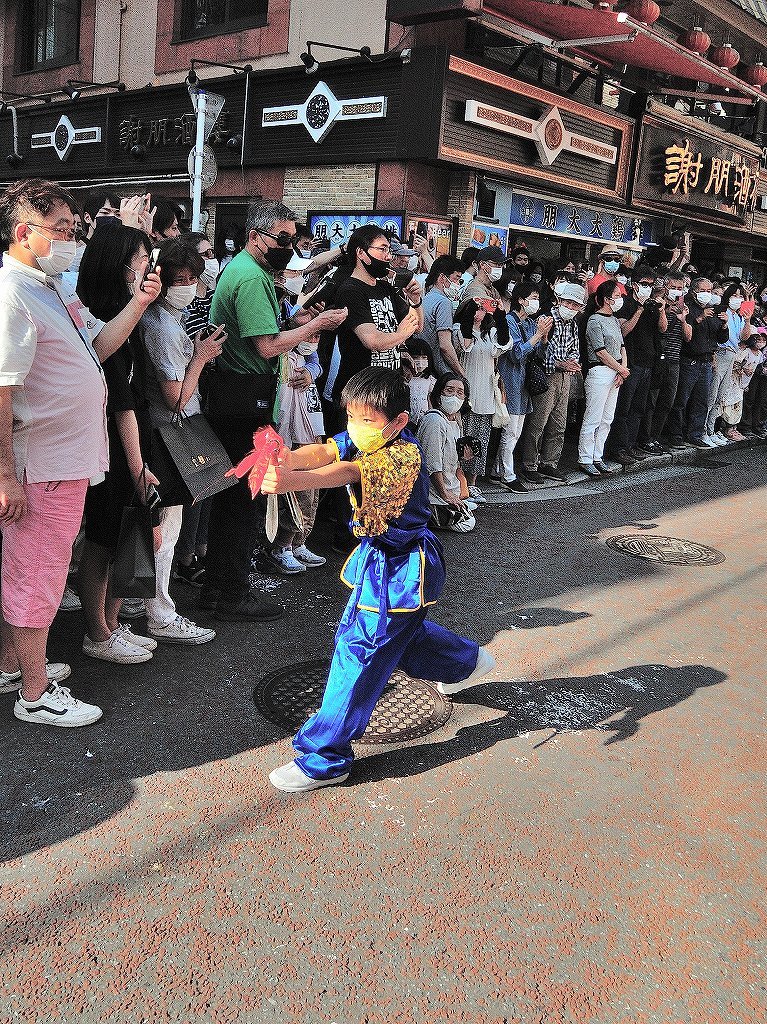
x=198 y=313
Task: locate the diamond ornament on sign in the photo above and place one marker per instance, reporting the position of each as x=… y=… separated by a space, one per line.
x=64 y=136
x=321 y=111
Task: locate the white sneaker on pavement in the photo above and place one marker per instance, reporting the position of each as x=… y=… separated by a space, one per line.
x=181 y=631
x=58 y=707
x=70 y=602
x=709 y=441
x=116 y=649
x=136 y=639
x=56 y=671
x=719 y=438
x=310 y=560
x=485 y=664
x=283 y=562
x=290 y=779
x=476 y=495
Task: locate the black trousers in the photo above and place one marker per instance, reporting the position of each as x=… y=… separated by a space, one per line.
x=236 y=520
x=660 y=401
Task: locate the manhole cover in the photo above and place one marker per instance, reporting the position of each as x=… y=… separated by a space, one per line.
x=670 y=550
x=407 y=709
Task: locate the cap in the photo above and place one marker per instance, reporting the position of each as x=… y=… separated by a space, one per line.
x=399 y=249
x=573 y=292
x=492 y=254
x=298 y=263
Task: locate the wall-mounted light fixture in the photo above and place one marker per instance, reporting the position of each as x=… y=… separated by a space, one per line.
x=75 y=87
x=192 y=79
x=311 y=65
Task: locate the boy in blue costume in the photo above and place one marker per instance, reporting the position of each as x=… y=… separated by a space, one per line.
x=395 y=574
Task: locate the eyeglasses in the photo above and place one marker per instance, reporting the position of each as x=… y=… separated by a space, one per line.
x=385 y=249
x=284 y=240
x=68 y=233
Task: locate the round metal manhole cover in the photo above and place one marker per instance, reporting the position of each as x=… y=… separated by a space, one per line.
x=408 y=708
x=669 y=550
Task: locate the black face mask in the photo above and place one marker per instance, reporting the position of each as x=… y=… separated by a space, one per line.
x=377 y=268
x=278 y=258
x=106 y=218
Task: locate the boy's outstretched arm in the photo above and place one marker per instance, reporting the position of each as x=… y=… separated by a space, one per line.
x=280 y=480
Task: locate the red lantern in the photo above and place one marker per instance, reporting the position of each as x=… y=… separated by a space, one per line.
x=696 y=40
x=645 y=11
x=725 y=57
x=756 y=75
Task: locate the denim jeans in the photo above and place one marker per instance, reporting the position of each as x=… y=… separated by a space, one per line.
x=691 y=405
x=632 y=399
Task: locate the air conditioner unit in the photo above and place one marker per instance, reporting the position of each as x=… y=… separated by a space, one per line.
x=763 y=202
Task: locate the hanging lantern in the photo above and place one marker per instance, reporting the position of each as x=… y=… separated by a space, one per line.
x=696 y=40
x=646 y=12
x=756 y=74
x=725 y=57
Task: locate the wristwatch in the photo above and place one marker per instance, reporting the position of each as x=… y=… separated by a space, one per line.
x=416 y=305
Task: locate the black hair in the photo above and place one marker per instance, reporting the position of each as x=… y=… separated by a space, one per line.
x=605 y=289
x=303 y=231
x=378 y=388
x=464 y=317
x=96 y=200
x=164 y=216
x=363 y=238
x=522 y=291
x=418 y=347
x=442 y=382
x=197 y=237
x=729 y=292
x=643 y=270
x=179 y=254
x=446 y=265
x=469 y=256
x=101 y=282
x=32 y=194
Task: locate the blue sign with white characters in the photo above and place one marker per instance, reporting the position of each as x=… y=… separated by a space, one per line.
x=533 y=213
x=337 y=225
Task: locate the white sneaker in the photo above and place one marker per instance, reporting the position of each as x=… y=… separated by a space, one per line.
x=56 y=671
x=134 y=638
x=116 y=649
x=70 y=602
x=133 y=608
x=470 y=504
x=181 y=631
x=476 y=495
x=57 y=706
x=709 y=441
x=303 y=554
x=719 y=438
x=485 y=664
x=283 y=562
x=290 y=779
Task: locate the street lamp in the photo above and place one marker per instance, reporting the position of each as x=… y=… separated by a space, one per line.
x=192 y=79
x=312 y=66
x=75 y=86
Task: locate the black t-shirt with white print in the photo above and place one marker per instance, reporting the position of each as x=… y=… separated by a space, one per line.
x=379 y=304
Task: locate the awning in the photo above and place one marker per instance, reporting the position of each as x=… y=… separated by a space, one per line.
x=756 y=8
x=553 y=23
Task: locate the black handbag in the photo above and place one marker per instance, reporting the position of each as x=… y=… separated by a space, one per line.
x=241 y=396
x=133 y=570
x=189 y=461
x=536 y=378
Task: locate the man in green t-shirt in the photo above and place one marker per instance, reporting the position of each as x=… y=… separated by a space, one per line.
x=246 y=382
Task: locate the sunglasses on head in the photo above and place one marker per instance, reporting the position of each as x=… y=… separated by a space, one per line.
x=284 y=239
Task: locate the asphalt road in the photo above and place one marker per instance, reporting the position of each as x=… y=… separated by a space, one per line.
x=582 y=843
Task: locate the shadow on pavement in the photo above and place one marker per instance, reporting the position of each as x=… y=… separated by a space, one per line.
x=552 y=706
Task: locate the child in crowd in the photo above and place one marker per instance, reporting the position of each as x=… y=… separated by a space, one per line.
x=420 y=380
x=748 y=357
x=395 y=574
x=476 y=339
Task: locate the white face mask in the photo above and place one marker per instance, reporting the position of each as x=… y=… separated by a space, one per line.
x=306 y=253
x=675 y=293
x=450 y=404
x=494 y=273
x=60 y=257
x=716 y=300
x=466 y=278
x=616 y=303
x=306 y=348
x=559 y=286
x=209 y=276
x=294 y=285
x=703 y=298
x=179 y=296
x=644 y=291
x=735 y=302
x=229 y=245
x=536 y=278
x=412 y=263
x=532 y=306
x=453 y=291
x=566 y=313
x=621 y=278
x=420 y=365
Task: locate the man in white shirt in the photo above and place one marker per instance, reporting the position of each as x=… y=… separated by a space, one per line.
x=52 y=434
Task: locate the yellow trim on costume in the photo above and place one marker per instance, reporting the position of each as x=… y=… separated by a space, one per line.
x=393 y=611
x=343 y=567
x=332 y=440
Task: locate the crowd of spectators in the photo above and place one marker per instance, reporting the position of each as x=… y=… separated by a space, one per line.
x=115 y=320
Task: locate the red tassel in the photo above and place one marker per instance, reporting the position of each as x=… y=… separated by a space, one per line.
x=267 y=448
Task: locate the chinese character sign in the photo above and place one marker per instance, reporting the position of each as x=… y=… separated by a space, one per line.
x=336 y=227
x=533 y=213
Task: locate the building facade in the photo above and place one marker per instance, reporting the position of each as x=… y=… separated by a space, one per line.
x=468 y=120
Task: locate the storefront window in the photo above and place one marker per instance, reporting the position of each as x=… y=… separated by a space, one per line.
x=215 y=17
x=49 y=33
